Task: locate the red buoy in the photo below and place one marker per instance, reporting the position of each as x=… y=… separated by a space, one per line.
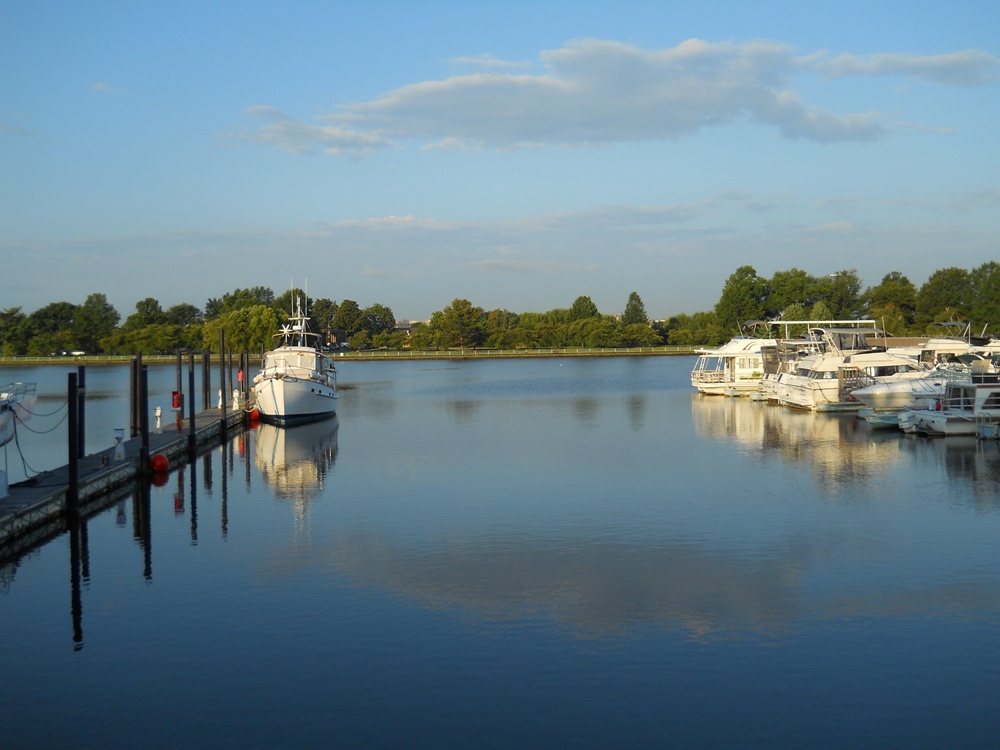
x=159 y=462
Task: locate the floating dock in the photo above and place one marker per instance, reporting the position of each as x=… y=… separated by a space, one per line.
x=37 y=508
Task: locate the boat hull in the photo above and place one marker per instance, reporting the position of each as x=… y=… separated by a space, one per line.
x=290 y=400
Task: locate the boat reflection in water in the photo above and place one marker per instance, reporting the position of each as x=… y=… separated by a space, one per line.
x=295 y=461
x=840 y=447
x=843 y=449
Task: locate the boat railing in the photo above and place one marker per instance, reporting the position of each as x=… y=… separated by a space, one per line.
x=709 y=376
x=17 y=391
x=283 y=368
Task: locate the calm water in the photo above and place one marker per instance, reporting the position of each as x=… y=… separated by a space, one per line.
x=516 y=554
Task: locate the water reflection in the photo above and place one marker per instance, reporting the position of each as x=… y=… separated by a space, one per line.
x=964 y=459
x=840 y=448
x=295 y=461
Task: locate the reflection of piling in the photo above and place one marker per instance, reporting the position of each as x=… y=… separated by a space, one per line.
x=76 y=556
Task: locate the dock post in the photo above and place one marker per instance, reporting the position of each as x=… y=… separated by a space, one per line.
x=222 y=382
x=206 y=380
x=144 y=419
x=133 y=398
x=192 y=439
x=81 y=425
x=180 y=387
x=73 y=490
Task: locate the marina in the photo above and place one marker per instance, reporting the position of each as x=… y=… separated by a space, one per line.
x=497 y=553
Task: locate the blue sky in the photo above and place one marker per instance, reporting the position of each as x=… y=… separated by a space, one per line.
x=516 y=154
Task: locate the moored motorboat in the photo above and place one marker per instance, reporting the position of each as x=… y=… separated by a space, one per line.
x=297 y=382
x=966 y=408
x=734 y=369
x=843 y=361
x=16 y=403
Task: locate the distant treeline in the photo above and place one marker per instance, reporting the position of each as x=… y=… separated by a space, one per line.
x=250 y=317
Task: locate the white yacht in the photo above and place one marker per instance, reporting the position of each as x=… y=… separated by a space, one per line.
x=966 y=408
x=845 y=361
x=734 y=369
x=914 y=392
x=16 y=403
x=297 y=382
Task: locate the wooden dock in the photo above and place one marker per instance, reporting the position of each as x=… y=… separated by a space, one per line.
x=37 y=509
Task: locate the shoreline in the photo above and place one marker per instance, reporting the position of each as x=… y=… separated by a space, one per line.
x=377 y=355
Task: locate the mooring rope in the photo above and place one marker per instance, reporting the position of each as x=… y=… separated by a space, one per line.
x=41 y=432
x=61 y=406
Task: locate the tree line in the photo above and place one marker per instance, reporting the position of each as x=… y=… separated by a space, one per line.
x=250 y=317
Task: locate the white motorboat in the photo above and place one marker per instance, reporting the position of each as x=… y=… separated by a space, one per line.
x=297 y=382
x=914 y=392
x=734 y=369
x=16 y=403
x=824 y=381
x=966 y=408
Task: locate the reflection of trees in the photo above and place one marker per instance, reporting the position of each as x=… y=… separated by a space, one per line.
x=464 y=411
x=585 y=408
x=636 y=411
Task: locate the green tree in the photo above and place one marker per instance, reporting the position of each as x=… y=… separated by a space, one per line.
x=597 y=332
x=583 y=307
x=95 y=320
x=502 y=329
x=237 y=299
x=13 y=335
x=944 y=297
x=376 y=319
x=183 y=315
x=147 y=313
x=349 y=317
x=742 y=298
x=463 y=325
x=893 y=303
x=247 y=329
x=788 y=288
x=639 y=334
x=984 y=293
x=50 y=329
x=842 y=294
x=285 y=305
x=323 y=310
x=424 y=336
x=635 y=311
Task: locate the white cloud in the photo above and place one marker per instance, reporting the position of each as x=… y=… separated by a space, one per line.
x=488 y=62
x=967 y=68
x=298 y=137
x=594 y=92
